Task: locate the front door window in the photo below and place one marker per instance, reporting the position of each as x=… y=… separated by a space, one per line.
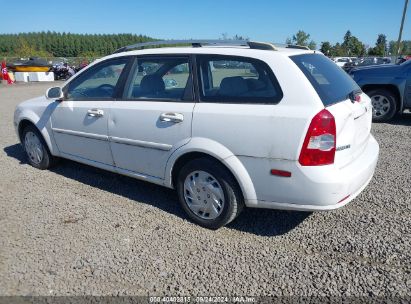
x=98 y=82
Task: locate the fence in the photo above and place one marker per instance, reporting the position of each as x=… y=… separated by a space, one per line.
x=72 y=61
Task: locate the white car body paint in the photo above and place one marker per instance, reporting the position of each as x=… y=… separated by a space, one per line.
x=38 y=111
x=139 y=122
x=249 y=139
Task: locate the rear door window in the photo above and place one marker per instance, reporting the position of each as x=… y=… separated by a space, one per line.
x=236 y=80
x=331 y=82
x=161 y=78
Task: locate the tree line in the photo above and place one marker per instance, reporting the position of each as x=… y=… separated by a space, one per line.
x=352 y=46
x=52 y=44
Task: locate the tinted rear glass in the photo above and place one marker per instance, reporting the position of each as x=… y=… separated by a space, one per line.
x=329 y=80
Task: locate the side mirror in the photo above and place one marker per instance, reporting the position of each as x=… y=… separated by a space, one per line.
x=55 y=93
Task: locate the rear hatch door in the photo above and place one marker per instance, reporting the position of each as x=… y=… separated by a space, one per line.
x=353 y=124
x=342 y=97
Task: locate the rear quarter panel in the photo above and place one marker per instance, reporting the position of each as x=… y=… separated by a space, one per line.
x=274 y=131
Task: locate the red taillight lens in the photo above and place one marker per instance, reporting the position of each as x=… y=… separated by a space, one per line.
x=319 y=143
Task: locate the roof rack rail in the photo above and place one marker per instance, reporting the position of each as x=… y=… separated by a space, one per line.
x=198 y=43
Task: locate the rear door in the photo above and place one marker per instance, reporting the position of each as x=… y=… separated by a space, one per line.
x=154 y=116
x=343 y=98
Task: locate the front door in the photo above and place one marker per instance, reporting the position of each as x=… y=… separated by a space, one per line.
x=154 y=116
x=80 y=121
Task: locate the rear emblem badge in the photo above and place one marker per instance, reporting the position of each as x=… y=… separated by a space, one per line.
x=343 y=147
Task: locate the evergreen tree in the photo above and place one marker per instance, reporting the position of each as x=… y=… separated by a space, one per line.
x=48 y=44
x=326 y=48
x=380 y=48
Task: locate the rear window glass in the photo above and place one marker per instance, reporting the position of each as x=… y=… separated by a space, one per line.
x=231 y=79
x=331 y=82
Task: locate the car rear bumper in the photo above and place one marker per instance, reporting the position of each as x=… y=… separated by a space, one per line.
x=319 y=188
x=300 y=207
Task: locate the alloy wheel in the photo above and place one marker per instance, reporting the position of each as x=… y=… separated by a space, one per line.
x=380 y=105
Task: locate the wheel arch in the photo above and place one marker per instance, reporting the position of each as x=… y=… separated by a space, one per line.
x=25 y=121
x=389 y=87
x=195 y=149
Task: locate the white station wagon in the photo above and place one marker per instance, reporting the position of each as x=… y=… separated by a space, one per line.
x=227 y=124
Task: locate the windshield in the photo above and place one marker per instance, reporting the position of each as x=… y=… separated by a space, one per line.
x=407 y=62
x=329 y=80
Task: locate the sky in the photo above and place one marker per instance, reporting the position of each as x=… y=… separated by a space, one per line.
x=260 y=20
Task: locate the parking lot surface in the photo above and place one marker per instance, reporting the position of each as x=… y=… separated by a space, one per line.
x=76 y=230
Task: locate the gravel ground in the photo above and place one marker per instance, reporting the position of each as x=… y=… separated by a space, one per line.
x=77 y=230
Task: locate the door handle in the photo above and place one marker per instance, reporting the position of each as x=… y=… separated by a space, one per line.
x=95 y=113
x=172 y=117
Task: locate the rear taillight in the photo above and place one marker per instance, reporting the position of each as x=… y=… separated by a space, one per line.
x=319 y=143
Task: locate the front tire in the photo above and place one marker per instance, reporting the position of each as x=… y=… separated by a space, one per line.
x=384 y=105
x=37 y=152
x=208 y=193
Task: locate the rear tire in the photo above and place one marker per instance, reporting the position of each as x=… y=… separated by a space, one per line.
x=37 y=152
x=208 y=193
x=384 y=104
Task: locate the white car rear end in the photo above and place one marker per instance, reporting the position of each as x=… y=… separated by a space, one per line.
x=338 y=154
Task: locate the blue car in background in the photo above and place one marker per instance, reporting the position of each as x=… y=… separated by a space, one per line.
x=389 y=87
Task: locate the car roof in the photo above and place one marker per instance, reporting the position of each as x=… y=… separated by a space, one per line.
x=214 y=50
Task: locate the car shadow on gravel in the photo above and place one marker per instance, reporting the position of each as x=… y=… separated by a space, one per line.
x=401 y=120
x=260 y=222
